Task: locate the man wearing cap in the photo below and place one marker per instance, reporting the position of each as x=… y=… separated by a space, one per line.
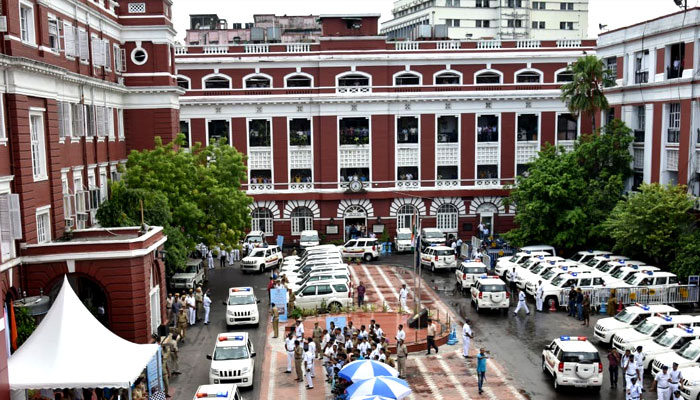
x=661 y=383
x=299 y=330
x=298 y=357
x=467 y=336
x=639 y=357
x=634 y=389
x=317 y=335
x=522 y=302
x=401 y=354
x=274 y=312
x=676 y=377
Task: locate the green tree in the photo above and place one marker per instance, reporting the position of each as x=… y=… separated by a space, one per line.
x=584 y=94
x=649 y=224
x=567 y=195
x=687 y=259
x=200 y=191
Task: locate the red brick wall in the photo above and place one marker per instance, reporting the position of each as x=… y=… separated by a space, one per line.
x=142 y=127
x=280 y=131
x=339 y=27
x=656 y=140
x=427 y=151
x=507 y=146
x=468 y=146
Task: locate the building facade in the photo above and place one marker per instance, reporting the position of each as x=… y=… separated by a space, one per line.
x=656 y=64
x=77 y=75
x=355 y=129
x=488 y=19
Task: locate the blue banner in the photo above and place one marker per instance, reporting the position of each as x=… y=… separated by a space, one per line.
x=340 y=322
x=154 y=371
x=279 y=297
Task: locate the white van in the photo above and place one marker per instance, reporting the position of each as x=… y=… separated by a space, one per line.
x=431 y=237
x=365 y=248
x=605 y=328
x=334 y=293
x=403 y=240
x=309 y=239
x=217 y=392
x=262 y=258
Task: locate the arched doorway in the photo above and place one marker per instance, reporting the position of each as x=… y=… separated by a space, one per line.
x=355 y=219
x=89 y=292
x=487 y=213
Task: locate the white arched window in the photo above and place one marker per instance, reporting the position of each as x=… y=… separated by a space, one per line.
x=262 y=220
x=407 y=78
x=256 y=81
x=302 y=220
x=299 y=80
x=563 y=76
x=216 y=81
x=405 y=215
x=448 y=78
x=528 y=76
x=447 y=218
x=488 y=77
x=183 y=82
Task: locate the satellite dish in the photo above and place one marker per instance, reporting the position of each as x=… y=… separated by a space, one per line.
x=602 y=26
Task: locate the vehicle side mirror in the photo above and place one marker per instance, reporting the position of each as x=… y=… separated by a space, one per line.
x=252 y=354
x=208 y=356
x=258 y=301
x=224 y=303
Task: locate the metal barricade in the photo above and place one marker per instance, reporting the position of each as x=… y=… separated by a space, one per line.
x=672 y=294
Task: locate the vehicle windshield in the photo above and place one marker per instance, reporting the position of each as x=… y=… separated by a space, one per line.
x=630 y=279
x=475 y=270
x=559 y=279
x=528 y=263
x=592 y=262
x=445 y=253
x=191 y=269
x=309 y=238
x=493 y=288
x=513 y=259
x=433 y=235
x=625 y=316
x=239 y=300
x=231 y=353
x=254 y=239
x=606 y=267
x=257 y=253
x=580 y=357
x=577 y=257
x=537 y=268
x=666 y=339
x=403 y=236
x=618 y=274
x=689 y=351
x=645 y=327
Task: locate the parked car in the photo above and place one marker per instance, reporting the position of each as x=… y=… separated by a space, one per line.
x=431 y=237
x=438 y=257
x=333 y=293
x=365 y=248
x=403 y=241
x=191 y=277
x=309 y=239
x=467 y=273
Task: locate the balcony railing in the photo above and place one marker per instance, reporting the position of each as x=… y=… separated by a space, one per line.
x=302 y=186
x=353 y=89
x=256 y=48
x=406 y=46
x=449 y=45
x=408 y=184
x=487 y=182
x=260 y=187
x=299 y=48
x=447 y=183
x=528 y=44
x=488 y=44
x=568 y=43
x=641 y=77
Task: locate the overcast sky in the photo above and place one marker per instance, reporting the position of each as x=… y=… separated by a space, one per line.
x=614 y=13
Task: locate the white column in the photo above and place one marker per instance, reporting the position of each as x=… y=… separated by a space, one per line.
x=648 y=135
x=652 y=65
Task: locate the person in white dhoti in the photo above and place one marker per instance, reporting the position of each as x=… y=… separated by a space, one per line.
x=467 y=336
x=191 y=310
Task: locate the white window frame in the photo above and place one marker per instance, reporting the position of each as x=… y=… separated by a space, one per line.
x=38 y=146
x=346 y=73
x=78 y=122
x=104 y=188
x=189 y=131
x=230 y=130
x=3 y=131
x=65 y=120
x=673 y=117
x=43 y=224
x=216 y=75
x=447 y=222
x=268 y=221
x=448 y=70
x=402 y=216
x=10 y=222
x=120 y=124
x=26 y=22
x=556 y=128
x=107 y=54
x=245 y=79
x=154 y=303
x=489 y=70
x=52 y=18
x=518 y=72
x=290 y=147
x=407 y=72
x=304 y=74
x=296 y=219
x=189 y=81
x=70 y=46
x=458 y=144
x=83 y=43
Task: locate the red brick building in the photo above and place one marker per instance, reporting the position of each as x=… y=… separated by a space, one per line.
x=76 y=76
x=432 y=127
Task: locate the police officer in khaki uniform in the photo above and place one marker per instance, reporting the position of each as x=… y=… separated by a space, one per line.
x=401 y=354
x=274 y=312
x=182 y=322
x=298 y=357
x=317 y=335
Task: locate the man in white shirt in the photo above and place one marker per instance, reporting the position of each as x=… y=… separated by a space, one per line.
x=662 y=383
x=299 y=331
x=401 y=334
x=206 y=303
x=363 y=347
x=467 y=336
x=538 y=296
x=210 y=260
x=522 y=302
x=403 y=298
x=312 y=350
x=379 y=332
x=676 y=377
x=289 y=348
x=308 y=367
x=639 y=357
x=191 y=310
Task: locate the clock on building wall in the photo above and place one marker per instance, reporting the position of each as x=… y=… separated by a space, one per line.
x=355 y=186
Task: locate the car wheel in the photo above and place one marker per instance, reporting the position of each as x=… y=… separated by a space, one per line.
x=368 y=257
x=544 y=366
x=262 y=268
x=335 y=304
x=556 y=384
x=472 y=302
x=432 y=267
x=478 y=309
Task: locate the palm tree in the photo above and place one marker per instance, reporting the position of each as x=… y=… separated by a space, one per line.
x=584 y=94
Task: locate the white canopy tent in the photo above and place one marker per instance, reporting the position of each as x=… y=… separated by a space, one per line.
x=71 y=349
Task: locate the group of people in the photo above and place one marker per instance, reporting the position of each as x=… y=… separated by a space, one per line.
x=580 y=306
x=225 y=257
x=186 y=309
x=667 y=383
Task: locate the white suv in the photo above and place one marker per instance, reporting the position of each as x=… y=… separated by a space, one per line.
x=232 y=359
x=431 y=237
x=365 y=248
x=506 y=264
x=691 y=383
x=573 y=361
x=650 y=328
x=262 y=258
x=332 y=293
x=438 y=257
x=242 y=307
x=490 y=292
x=467 y=273
x=585 y=255
x=671 y=340
x=605 y=328
x=686 y=356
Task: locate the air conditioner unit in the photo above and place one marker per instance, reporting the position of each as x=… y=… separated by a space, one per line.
x=82 y=217
x=3 y=23
x=69 y=223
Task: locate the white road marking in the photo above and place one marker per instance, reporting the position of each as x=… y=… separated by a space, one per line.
x=273 y=367
x=428 y=379
x=386 y=280
x=450 y=375
x=496 y=369
x=376 y=288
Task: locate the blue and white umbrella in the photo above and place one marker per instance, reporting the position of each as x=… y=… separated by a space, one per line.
x=366 y=369
x=385 y=386
x=370 y=398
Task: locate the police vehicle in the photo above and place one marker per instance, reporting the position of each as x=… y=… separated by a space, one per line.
x=650 y=328
x=671 y=340
x=309 y=239
x=468 y=271
x=623 y=273
x=686 y=356
x=191 y=277
x=505 y=264
x=691 y=383
x=232 y=360
x=217 y=392
x=540 y=247
x=489 y=292
x=364 y=248
x=242 y=306
x=649 y=278
x=597 y=261
x=431 y=237
x=262 y=258
x=551 y=291
x=314 y=276
x=573 y=361
x=549 y=272
x=605 y=328
x=438 y=257
x=585 y=255
x=611 y=267
x=527 y=273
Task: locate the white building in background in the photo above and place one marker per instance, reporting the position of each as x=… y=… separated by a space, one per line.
x=488 y=19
